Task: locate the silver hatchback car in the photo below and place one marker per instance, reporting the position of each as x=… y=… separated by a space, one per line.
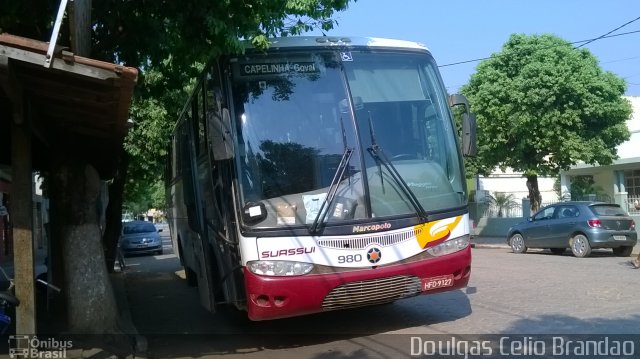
x=140 y=237
x=580 y=226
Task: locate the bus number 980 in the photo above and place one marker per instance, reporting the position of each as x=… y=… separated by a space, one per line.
x=352 y=258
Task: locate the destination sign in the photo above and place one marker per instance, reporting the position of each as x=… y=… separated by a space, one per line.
x=277 y=68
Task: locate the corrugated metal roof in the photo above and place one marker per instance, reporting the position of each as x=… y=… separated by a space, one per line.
x=78 y=106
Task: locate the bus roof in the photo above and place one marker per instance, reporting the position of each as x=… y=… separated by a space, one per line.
x=328 y=41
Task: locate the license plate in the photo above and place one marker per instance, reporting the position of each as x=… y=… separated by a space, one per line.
x=620 y=238
x=141 y=246
x=437 y=282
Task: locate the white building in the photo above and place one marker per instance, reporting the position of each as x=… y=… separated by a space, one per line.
x=620 y=180
x=513 y=183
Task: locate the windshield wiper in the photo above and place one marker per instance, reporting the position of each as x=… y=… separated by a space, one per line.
x=333 y=189
x=378 y=154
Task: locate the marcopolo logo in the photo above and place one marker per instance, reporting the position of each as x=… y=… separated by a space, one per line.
x=371 y=227
x=27 y=346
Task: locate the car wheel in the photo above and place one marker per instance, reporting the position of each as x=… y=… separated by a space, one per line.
x=517 y=243
x=557 y=250
x=580 y=246
x=624 y=251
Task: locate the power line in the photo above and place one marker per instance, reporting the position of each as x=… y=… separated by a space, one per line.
x=572 y=43
x=620 y=60
x=614 y=30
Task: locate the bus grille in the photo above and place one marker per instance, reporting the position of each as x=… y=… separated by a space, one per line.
x=369 y=292
x=383 y=240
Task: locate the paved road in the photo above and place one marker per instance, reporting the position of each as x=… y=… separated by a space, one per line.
x=501 y=242
x=509 y=294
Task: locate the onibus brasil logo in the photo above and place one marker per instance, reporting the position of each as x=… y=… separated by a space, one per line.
x=30 y=346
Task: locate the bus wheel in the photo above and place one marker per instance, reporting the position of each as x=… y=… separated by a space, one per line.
x=190 y=275
x=231 y=313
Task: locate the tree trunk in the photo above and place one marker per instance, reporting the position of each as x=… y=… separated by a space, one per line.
x=534 y=193
x=114 y=212
x=57 y=312
x=91 y=305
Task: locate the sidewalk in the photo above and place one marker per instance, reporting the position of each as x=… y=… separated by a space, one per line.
x=129 y=343
x=501 y=243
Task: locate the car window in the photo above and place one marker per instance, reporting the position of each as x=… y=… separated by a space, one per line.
x=568 y=212
x=546 y=213
x=608 y=210
x=133 y=228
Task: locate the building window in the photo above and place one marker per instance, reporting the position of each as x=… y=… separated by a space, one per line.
x=632 y=182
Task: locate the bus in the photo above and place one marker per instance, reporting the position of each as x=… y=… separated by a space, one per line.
x=323 y=173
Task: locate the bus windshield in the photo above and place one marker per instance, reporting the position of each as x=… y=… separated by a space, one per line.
x=299 y=113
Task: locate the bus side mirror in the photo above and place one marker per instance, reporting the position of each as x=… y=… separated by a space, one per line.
x=469 y=126
x=469 y=139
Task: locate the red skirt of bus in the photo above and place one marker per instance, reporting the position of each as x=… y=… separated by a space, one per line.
x=271 y=297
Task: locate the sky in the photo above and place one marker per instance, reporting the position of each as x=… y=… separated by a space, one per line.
x=462 y=30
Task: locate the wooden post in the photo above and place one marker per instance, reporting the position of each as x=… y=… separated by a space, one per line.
x=80 y=27
x=21 y=216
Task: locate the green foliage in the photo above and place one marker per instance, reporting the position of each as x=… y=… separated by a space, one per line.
x=169 y=41
x=585 y=188
x=543 y=105
x=502 y=201
x=141 y=196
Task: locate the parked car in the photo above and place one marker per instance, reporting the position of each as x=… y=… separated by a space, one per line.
x=580 y=226
x=140 y=237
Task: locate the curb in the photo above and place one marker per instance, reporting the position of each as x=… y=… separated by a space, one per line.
x=489 y=246
x=634 y=253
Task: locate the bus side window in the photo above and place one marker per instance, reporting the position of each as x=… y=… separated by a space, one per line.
x=193 y=122
x=218 y=117
x=200 y=118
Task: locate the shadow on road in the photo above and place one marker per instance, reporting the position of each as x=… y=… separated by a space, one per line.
x=562 y=324
x=168 y=313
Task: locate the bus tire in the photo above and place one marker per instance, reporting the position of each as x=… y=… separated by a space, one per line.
x=190 y=276
x=218 y=294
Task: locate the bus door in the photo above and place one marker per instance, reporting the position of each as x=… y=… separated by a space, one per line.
x=199 y=243
x=215 y=164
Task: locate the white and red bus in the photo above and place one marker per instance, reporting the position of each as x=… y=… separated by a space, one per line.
x=321 y=174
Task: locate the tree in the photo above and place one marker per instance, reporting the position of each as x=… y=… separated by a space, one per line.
x=502 y=201
x=584 y=188
x=169 y=41
x=543 y=105
x=141 y=197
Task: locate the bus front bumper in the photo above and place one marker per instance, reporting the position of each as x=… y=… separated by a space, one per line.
x=271 y=297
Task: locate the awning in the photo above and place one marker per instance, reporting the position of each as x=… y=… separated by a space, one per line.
x=78 y=106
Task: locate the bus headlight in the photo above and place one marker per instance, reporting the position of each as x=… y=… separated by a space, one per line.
x=279 y=268
x=449 y=246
